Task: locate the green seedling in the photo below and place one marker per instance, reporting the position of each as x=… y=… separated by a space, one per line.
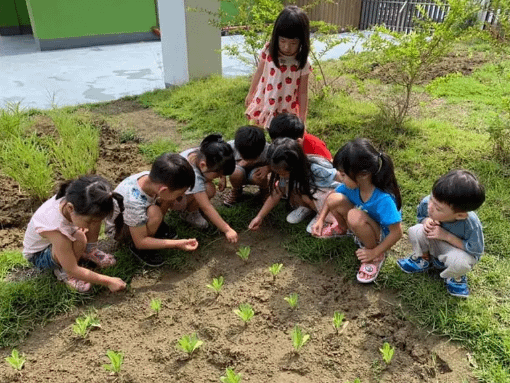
x=189 y=343
x=16 y=360
x=156 y=305
x=217 y=284
x=245 y=312
x=298 y=338
x=292 y=300
x=244 y=252
x=116 y=360
x=387 y=352
x=230 y=376
x=338 y=319
x=275 y=269
x=355 y=381
x=82 y=325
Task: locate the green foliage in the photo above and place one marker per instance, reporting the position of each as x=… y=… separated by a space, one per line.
x=387 y=352
x=83 y=324
x=338 y=319
x=152 y=150
x=292 y=300
x=189 y=343
x=127 y=136
x=357 y=380
x=12 y=121
x=217 y=284
x=230 y=376
x=245 y=312
x=16 y=360
x=244 y=252
x=275 y=269
x=298 y=338
x=155 y=305
x=116 y=360
x=9 y=260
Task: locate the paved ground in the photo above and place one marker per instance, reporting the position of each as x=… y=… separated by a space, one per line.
x=95 y=74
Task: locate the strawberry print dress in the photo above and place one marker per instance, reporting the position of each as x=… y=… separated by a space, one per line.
x=277 y=91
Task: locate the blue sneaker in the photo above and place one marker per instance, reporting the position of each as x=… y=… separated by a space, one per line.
x=438 y=264
x=457 y=289
x=412 y=265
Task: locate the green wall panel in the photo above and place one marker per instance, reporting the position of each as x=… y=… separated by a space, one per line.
x=8 y=17
x=21 y=7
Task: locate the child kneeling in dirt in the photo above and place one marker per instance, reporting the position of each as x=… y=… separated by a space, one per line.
x=65 y=229
x=147 y=198
x=250 y=152
x=449 y=234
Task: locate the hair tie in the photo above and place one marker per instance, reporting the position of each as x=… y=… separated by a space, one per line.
x=380 y=161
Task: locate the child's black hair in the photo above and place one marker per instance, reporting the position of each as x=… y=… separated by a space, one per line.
x=250 y=142
x=285 y=153
x=218 y=155
x=173 y=171
x=286 y=125
x=92 y=196
x=460 y=189
x=291 y=23
x=359 y=156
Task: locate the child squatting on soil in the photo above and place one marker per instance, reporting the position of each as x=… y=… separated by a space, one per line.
x=65 y=229
x=449 y=234
x=147 y=198
x=368 y=203
x=250 y=152
x=280 y=83
x=300 y=178
x=213 y=159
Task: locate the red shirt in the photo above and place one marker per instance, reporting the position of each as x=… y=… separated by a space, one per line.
x=313 y=145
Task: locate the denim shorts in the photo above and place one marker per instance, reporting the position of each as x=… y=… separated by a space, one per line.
x=44 y=260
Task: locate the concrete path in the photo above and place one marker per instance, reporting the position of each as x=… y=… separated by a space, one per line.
x=95 y=74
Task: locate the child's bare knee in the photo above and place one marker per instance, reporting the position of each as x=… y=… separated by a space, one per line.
x=210 y=189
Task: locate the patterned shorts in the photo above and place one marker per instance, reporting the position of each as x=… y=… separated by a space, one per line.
x=44 y=260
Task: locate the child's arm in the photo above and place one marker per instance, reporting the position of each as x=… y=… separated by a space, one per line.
x=142 y=240
x=319 y=224
x=211 y=213
x=303 y=97
x=270 y=203
x=255 y=82
x=434 y=231
x=368 y=255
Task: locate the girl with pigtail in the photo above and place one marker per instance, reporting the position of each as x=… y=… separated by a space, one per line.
x=65 y=229
x=367 y=203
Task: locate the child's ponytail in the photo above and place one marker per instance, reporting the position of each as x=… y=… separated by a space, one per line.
x=119 y=220
x=385 y=178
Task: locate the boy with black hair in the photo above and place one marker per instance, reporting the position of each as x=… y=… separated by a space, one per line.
x=289 y=125
x=449 y=234
x=147 y=198
x=250 y=152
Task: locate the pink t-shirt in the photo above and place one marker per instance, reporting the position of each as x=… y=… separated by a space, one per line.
x=47 y=218
x=277 y=91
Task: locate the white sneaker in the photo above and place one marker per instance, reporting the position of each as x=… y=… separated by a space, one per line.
x=299 y=214
x=196 y=219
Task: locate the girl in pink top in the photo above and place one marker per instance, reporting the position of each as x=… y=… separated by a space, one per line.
x=65 y=229
x=280 y=83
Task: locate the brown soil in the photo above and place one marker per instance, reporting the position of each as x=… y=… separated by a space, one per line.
x=262 y=350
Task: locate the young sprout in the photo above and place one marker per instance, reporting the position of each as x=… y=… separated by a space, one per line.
x=116 y=360
x=189 y=343
x=244 y=252
x=245 y=312
x=217 y=284
x=156 y=305
x=82 y=325
x=231 y=376
x=275 y=269
x=387 y=352
x=292 y=300
x=338 y=319
x=298 y=339
x=16 y=360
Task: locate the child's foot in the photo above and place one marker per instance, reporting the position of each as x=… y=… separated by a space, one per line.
x=100 y=258
x=232 y=197
x=413 y=265
x=194 y=218
x=368 y=272
x=438 y=264
x=299 y=214
x=165 y=232
x=75 y=284
x=457 y=288
x=149 y=258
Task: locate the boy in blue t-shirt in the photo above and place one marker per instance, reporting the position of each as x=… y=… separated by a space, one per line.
x=449 y=234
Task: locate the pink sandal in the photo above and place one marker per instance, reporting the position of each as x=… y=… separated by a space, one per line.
x=333 y=231
x=100 y=258
x=370 y=271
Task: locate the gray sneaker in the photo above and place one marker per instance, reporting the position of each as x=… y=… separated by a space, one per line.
x=195 y=219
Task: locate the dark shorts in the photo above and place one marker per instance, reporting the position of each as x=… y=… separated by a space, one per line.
x=44 y=260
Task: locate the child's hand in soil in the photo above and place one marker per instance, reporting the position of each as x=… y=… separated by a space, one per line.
x=187 y=244
x=116 y=284
x=255 y=223
x=231 y=235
